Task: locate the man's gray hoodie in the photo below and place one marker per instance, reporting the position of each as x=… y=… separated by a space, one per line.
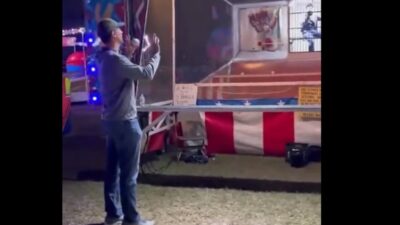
x=118 y=76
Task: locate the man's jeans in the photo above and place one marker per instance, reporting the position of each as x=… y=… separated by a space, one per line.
x=123 y=155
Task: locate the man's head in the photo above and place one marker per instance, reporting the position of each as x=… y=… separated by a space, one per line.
x=109 y=31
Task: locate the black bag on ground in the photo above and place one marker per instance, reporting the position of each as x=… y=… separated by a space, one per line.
x=297 y=154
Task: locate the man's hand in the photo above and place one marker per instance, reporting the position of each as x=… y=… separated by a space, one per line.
x=155 y=42
x=129 y=47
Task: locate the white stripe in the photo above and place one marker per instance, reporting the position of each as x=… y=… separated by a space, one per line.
x=248 y=132
x=193 y=126
x=307 y=131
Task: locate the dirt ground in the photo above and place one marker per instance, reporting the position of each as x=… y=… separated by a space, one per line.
x=83 y=205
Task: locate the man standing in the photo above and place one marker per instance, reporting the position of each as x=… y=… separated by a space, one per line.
x=117 y=76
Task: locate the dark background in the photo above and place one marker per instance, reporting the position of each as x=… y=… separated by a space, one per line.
x=194 y=27
x=72 y=13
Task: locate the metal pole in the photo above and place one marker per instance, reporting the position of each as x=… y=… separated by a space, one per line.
x=173 y=52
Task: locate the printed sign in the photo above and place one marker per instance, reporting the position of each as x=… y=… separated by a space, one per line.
x=185 y=94
x=310 y=96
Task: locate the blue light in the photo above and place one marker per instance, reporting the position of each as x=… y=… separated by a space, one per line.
x=89 y=38
x=92 y=68
x=95 y=98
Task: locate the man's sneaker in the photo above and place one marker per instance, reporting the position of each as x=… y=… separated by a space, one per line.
x=113 y=221
x=141 y=222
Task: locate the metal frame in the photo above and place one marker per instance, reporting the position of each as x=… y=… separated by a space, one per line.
x=230 y=108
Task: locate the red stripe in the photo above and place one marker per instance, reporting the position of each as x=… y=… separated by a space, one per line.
x=156 y=142
x=278 y=130
x=219 y=130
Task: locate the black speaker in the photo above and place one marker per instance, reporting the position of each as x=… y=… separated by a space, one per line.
x=297 y=154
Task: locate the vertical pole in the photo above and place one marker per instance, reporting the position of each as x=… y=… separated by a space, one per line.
x=173 y=53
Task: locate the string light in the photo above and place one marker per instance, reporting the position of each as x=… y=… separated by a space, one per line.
x=73 y=31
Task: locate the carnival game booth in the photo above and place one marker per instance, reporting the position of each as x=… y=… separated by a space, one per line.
x=230 y=73
x=237 y=86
